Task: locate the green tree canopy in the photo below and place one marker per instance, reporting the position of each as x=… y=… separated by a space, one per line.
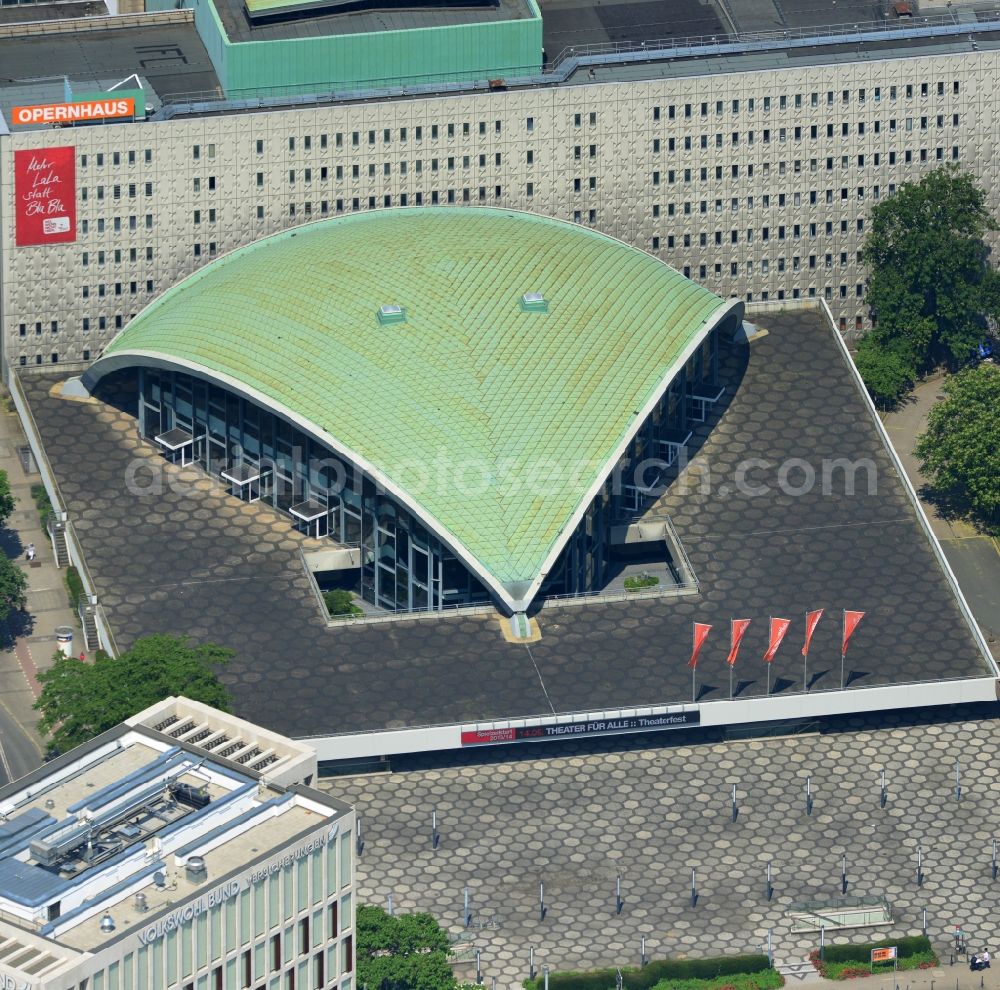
x=13 y=587
x=931 y=288
x=81 y=700
x=960 y=452
x=887 y=367
x=7 y=499
x=401 y=952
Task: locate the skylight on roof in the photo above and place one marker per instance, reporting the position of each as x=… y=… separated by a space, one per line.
x=534 y=302
x=391 y=314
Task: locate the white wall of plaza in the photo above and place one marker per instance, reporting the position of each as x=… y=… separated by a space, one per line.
x=747 y=201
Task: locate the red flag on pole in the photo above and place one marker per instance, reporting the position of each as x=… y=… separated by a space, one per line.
x=812 y=620
x=739 y=627
x=778 y=629
x=851 y=622
x=701 y=632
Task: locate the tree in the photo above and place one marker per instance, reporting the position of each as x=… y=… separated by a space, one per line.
x=402 y=952
x=932 y=288
x=13 y=588
x=887 y=370
x=960 y=452
x=7 y=499
x=81 y=700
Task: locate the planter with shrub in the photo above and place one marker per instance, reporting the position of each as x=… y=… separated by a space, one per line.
x=845 y=962
x=715 y=973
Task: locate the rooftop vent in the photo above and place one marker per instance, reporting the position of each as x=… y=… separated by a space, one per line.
x=107 y=924
x=160 y=879
x=534 y=302
x=196 y=869
x=141 y=904
x=391 y=314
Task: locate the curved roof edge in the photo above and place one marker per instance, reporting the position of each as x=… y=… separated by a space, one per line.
x=516 y=596
x=726 y=309
x=131 y=358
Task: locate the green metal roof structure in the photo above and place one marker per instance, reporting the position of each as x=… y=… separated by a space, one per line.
x=413 y=342
x=366 y=50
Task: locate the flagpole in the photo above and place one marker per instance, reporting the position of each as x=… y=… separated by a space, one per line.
x=843 y=620
x=694 y=690
x=769 y=621
x=805 y=661
x=730 y=682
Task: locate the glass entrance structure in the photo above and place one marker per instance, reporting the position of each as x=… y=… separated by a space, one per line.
x=470 y=397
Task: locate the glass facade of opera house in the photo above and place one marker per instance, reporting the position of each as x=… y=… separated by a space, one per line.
x=403 y=566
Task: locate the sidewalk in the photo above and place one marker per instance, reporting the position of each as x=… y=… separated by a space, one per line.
x=973 y=557
x=33 y=634
x=957 y=977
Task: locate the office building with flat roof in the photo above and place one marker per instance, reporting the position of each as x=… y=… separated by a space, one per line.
x=155 y=857
x=751 y=168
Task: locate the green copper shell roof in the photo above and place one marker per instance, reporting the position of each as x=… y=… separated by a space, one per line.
x=494 y=419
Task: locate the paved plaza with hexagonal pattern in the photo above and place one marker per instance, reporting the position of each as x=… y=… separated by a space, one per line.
x=574 y=816
x=185 y=556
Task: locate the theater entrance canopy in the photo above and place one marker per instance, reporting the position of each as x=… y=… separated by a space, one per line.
x=487 y=368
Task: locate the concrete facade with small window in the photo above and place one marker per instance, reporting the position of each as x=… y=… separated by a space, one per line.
x=154 y=857
x=754 y=179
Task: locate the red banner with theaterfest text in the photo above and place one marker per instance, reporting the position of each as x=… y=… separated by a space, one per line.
x=45 y=196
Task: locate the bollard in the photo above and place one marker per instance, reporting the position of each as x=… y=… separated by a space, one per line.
x=736 y=810
x=769 y=888
x=822 y=941
x=770 y=947
x=546 y=970
x=531 y=964
x=694 y=890
x=360 y=842
x=994 y=859
x=618 y=894
x=479 y=972
x=883 y=793
x=466 y=912
x=541 y=900
x=958 y=781
x=642 y=951
x=809 y=797
x=618 y=979
x=925 y=925
x=920 y=867
x=388 y=904
x=435 y=838
x=843 y=875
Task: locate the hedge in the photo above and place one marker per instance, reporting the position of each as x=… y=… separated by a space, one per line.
x=634 y=978
x=910 y=946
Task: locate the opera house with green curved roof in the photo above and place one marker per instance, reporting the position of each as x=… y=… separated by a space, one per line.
x=457 y=395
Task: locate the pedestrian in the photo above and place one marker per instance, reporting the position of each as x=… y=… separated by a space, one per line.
x=974 y=963
x=31 y=552
x=984 y=959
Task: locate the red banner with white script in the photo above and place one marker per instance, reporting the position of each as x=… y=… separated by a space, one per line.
x=778 y=629
x=45 y=196
x=738 y=628
x=701 y=631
